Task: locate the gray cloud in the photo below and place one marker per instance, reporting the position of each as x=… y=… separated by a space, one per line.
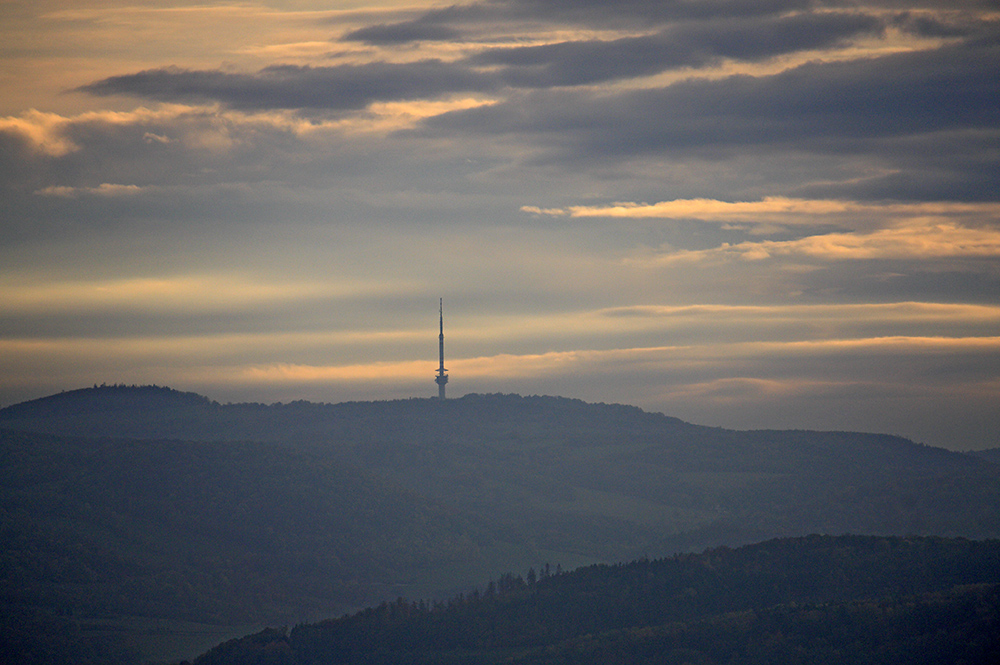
x=598 y=14
x=575 y=63
x=926 y=25
x=342 y=87
x=838 y=107
x=978 y=281
x=458 y=21
x=432 y=26
x=932 y=172
x=926 y=119
x=572 y=63
x=925 y=91
x=655 y=11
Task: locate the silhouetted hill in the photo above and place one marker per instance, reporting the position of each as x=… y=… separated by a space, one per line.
x=990 y=455
x=149 y=502
x=639 y=482
x=160 y=412
x=105 y=399
x=845 y=599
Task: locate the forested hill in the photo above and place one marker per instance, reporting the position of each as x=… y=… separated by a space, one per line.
x=991 y=455
x=591 y=481
x=159 y=412
x=123 y=503
x=846 y=599
x=490 y=421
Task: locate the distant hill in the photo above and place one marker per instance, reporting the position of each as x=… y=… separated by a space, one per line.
x=990 y=455
x=640 y=482
x=145 y=412
x=845 y=599
x=109 y=398
x=139 y=502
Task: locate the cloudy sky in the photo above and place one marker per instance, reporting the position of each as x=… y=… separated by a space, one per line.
x=744 y=213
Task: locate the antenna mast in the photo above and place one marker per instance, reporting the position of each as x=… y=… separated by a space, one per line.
x=442 y=378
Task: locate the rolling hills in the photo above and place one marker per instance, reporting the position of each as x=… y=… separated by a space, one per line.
x=125 y=504
x=817 y=599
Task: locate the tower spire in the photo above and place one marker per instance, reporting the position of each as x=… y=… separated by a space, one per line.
x=442 y=378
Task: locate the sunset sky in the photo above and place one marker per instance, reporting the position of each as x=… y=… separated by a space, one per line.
x=743 y=213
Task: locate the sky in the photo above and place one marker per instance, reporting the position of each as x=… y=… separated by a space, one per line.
x=743 y=213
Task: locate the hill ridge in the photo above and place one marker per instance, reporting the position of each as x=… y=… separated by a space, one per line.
x=123 y=396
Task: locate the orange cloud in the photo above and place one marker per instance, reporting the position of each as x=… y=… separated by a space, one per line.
x=919 y=240
x=180 y=292
x=583 y=361
x=900 y=312
x=104 y=189
x=771 y=209
x=906 y=242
